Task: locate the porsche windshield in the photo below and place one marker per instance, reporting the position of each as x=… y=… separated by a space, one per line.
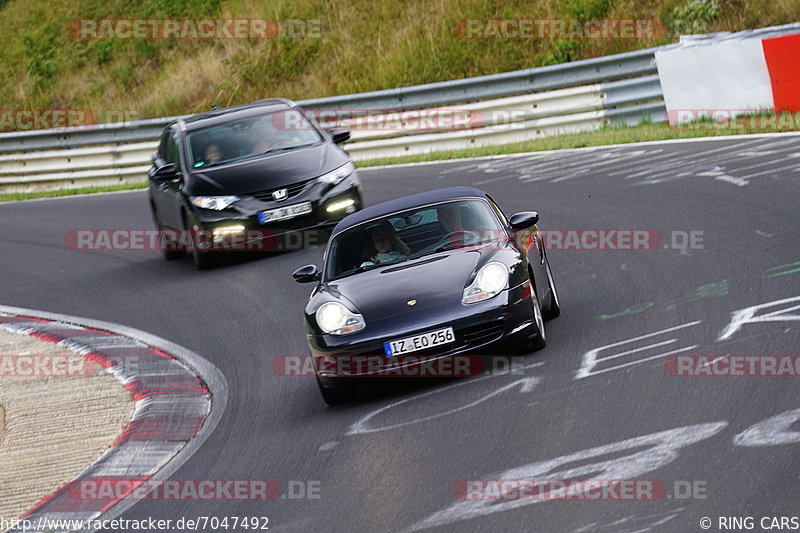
x=412 y=234
x=243 y=138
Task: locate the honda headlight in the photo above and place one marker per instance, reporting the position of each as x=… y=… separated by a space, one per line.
x=215 y=203
x=490 y=280
x=336 y=319
x=335 y=176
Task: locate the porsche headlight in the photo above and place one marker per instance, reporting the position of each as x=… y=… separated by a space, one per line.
x=215 y=203
x=336 y=319
x=490 y=280
x=335 y=176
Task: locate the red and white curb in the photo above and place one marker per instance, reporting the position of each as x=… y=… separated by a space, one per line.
x=178 y=397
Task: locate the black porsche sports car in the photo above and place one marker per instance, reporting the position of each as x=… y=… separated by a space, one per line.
x=246 y=172
x=433 y=275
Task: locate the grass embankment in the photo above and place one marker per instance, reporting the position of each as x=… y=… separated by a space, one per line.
x=351 y=46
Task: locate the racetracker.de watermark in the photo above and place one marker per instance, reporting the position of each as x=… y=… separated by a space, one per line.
x=404 y=366
x=174 y=489
x=195 y=29
x=43 y=119
x=543 y=490
x=571 y=29
x=137 y=489
x=392 y=120
x=67 y=366
x=733 y=365
x=238 y=238
x=227 y=238
x=47 y=366
x=540 y=490
x=619 y=239
x=732 y=120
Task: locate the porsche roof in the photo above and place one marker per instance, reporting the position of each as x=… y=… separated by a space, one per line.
x=407 y=202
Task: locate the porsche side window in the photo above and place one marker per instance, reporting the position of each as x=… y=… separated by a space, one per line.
x=497 y=210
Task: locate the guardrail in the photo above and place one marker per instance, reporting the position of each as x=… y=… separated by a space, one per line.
x=500 y=108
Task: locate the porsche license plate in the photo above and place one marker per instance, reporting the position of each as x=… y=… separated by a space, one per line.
x=419 y=342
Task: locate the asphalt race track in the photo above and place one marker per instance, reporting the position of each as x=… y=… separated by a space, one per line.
x=391 y=461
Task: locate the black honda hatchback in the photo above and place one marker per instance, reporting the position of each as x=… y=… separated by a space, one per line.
x=242 y=174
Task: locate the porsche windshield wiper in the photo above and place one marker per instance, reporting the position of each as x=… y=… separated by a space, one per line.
x=447 y=246
x=357 y=270
x=364 y=268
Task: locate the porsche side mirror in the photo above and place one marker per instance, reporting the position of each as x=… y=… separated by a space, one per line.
x=306 y=274
x=339 y=135
x=523 y=220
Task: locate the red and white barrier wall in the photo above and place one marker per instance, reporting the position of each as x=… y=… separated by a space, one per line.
x=732 y=76
x=782 y=55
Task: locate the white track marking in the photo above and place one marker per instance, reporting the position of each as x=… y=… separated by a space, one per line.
x=614 y=526
x=730 y=179
x=754 y=153
x=671 y=157
x=525 y=385
x=622 y=156
x=748 y=316
x=661 y=449
x=555 y=170
x=640 y=349
x=694 y=161
x=360 y=427
x=785 y=135
x=742 y=180
x=771 y=432
x=640 y=361
x=790 y=168
x=591 y=358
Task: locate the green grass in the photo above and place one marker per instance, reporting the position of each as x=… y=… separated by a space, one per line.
x=605 y=136
x=11 y=197
x=360 y=46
